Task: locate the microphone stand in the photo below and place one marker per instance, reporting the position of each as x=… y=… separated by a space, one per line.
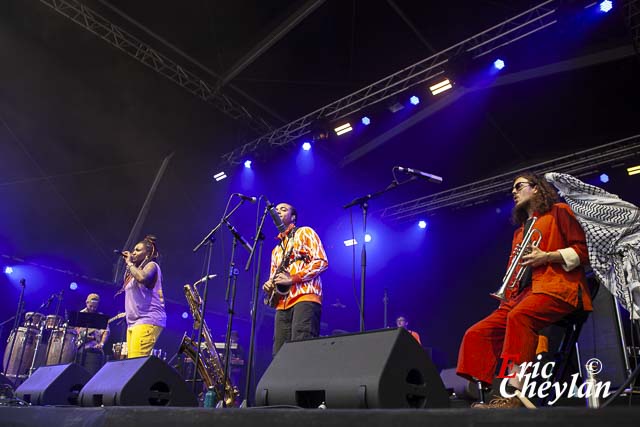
x=254 y=305
x=385 y=301
x=232 y=280
x=208 y=240
x=362 y=201
x=16 y=324
x=45 y=304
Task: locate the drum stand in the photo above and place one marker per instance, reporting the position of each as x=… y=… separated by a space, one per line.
x=35 y=351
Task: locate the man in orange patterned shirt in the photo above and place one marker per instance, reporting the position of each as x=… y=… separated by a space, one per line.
x=554 y=286
x=296 y=264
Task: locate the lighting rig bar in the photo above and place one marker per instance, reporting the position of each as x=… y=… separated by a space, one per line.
x=478 y=192
x=122 y=40
x=507 y=32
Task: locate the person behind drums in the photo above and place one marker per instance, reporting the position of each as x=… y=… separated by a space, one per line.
x=92 y=340
x=144 y=301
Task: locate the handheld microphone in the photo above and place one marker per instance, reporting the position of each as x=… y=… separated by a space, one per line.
x=277 y=221
x=246 y=198
x=118 y=252
x=209 y=277
x=418 y=173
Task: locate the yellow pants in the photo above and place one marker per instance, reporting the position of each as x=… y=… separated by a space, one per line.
x=141 y=339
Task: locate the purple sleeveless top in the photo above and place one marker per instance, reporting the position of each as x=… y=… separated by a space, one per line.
x=145 y=306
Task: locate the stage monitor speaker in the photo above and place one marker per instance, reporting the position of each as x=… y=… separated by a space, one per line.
x=141 y=381
x=54 y=385
x=600 y=338
x=378 y=369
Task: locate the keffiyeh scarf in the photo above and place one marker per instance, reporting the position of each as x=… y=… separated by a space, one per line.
x=612 y=229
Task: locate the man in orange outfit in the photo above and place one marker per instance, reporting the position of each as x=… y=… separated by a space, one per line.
x=553 y=287
x=296 y=264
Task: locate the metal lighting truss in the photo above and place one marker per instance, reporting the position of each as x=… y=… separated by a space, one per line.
x=633 y=21
x=116 y=36
x=509 y=31
x=478 y=192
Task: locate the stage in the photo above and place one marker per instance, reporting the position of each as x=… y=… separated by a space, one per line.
x=158 y=417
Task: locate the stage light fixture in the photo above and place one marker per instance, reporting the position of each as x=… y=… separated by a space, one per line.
x=8 y=270
x=604 y=178
x=73 y=286
x=414 y=100
x=498 y=64
x=395 y=107
x=219 y=176
x=306 y=146
x=350 y=242
x=247 y=164
x=440 y=87
x=422 y=224
x=366 y=121
x=634 y=170
x=185 y=315
x=606 y=6
x=367 y=237
x=342 y=129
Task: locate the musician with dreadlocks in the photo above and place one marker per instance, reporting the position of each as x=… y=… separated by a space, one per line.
x=553 y=286
x=144 y=301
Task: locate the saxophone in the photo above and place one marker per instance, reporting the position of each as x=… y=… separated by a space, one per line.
x=209 y=364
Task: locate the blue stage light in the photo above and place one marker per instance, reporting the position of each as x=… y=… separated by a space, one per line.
x=606 y=6
x=422 y=224
x=306 y=146
x=498 y=64
x=366 y=121
x=414 y=100
x=247 y=164
x=8 y=270
x=604 y=178
x=185 y=315
x=73 y=286
x=367 y=237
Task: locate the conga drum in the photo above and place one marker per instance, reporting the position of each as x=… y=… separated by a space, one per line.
x=120 y=350
x=63 y=346
x=33 y=319
x=18 y=359
x=52 y=322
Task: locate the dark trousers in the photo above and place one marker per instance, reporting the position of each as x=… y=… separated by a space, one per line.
x=299 y=322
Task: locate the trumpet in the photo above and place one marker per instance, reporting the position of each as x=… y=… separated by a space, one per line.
x=515 y=267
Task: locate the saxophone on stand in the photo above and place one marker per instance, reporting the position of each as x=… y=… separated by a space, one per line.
x=209 y=366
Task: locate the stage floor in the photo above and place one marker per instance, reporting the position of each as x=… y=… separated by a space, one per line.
x=279 y=417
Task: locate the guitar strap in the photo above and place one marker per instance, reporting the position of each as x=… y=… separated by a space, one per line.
x=286 y=255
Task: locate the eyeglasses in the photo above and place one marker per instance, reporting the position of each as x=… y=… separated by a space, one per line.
x=519 y=186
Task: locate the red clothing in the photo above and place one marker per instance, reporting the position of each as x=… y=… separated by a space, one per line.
x=512 y=330
x=309 y=261
x=415 y=335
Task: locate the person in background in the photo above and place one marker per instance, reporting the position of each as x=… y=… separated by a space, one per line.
x=403 y=322
x=91 y=341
